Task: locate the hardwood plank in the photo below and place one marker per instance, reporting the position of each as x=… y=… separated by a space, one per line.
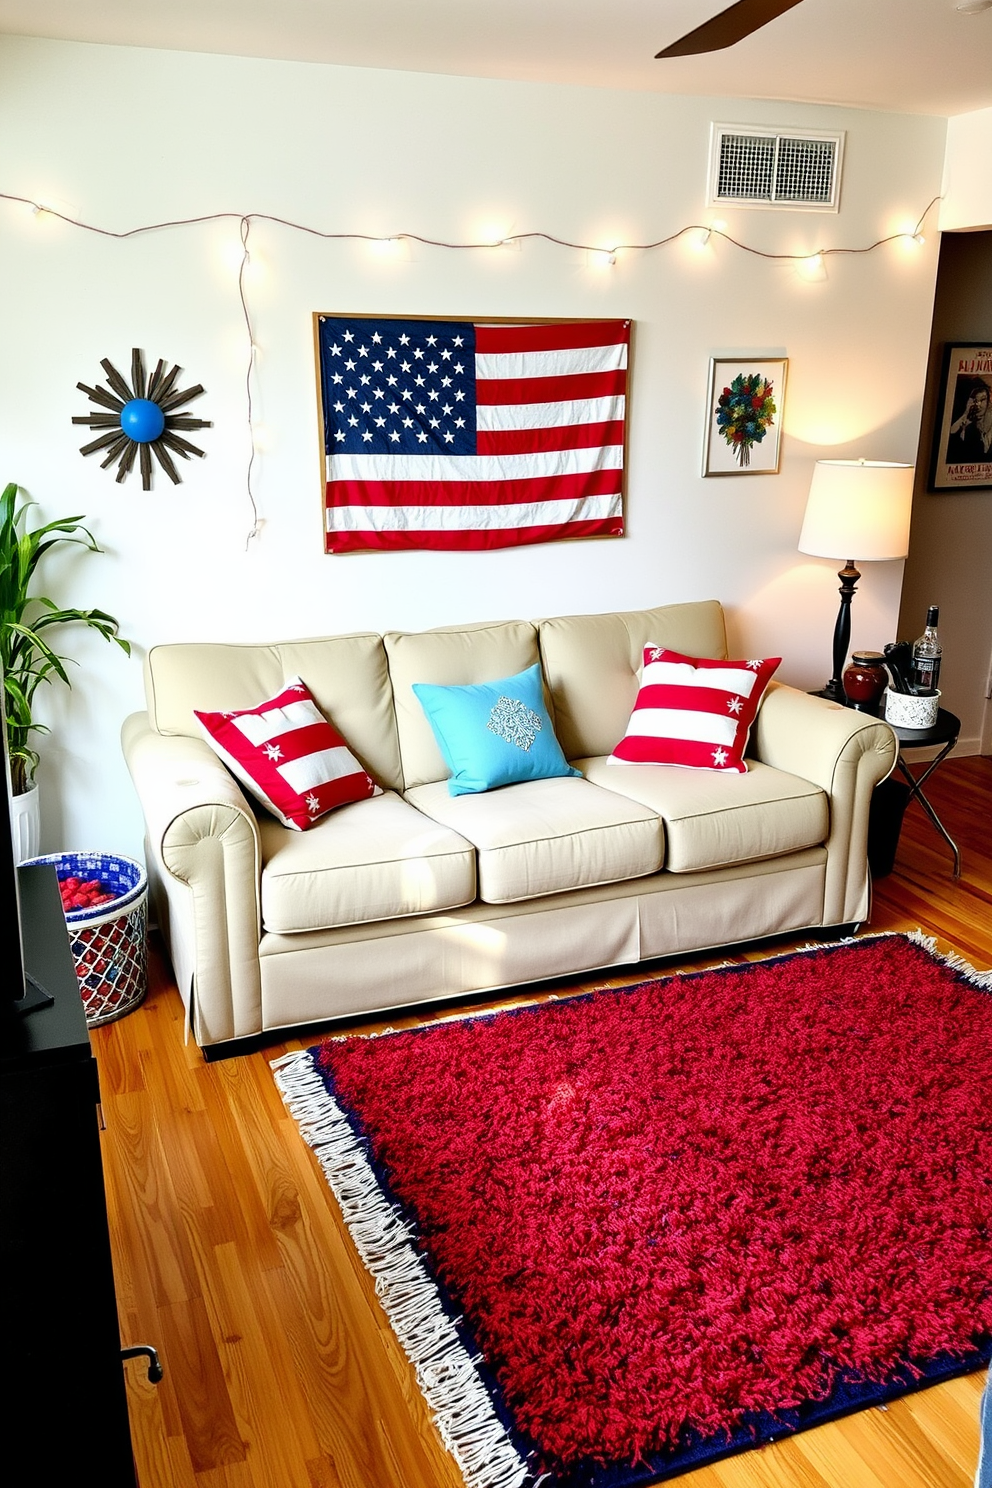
x=281 y=1371
x=839 y=1461
x=949 y=1418
x=890 y=1438
x=777 y=1465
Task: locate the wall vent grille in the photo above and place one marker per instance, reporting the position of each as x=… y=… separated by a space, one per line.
x=789 y=169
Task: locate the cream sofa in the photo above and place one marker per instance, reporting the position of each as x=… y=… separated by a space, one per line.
x=415 y=895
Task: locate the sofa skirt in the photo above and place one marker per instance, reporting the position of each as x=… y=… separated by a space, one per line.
x=374 y=968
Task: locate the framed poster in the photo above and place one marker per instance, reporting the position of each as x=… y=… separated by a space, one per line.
x=744 y=407
x=961 y=458
x=462 y=435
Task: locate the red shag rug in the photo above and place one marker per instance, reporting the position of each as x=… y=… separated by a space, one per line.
x=625 y=1233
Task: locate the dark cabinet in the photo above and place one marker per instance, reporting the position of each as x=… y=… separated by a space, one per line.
x=64 y=1391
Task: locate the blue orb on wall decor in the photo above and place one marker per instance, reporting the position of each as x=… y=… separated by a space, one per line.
x=142 y=420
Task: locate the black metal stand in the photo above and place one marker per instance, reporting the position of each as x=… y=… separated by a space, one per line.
x=849 y=576
x=145 y=1351
x=945 y=733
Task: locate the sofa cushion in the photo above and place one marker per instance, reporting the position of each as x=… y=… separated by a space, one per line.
x=347 y=676
x=452 y=658
x=544 y=836
x=493 y=733
x=288 y=756
x=694 y=712
x=716 y=820
x=373 y=860
x=592 y=665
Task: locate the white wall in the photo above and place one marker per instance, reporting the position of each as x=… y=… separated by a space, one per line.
x=119 y=137
x=967 y=188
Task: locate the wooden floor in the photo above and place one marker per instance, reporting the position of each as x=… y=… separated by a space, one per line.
x=280 y=1371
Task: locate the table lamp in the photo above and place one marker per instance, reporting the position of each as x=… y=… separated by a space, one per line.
x=859 y=507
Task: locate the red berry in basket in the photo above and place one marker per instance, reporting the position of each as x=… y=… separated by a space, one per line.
x=77 y=894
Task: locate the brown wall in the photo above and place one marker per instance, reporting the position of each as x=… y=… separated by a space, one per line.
x=950 y=554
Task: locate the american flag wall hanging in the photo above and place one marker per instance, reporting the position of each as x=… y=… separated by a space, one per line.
x=467 y=435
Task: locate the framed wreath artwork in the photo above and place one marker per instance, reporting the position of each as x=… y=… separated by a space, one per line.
x=961 y=457
x=745 y=405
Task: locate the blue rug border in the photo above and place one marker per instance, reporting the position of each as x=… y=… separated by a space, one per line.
x=849 y=1394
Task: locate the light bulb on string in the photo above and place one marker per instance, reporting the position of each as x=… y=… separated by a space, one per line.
x=812 y=268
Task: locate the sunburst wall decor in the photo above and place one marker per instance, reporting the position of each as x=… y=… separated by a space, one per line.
x=141 y=419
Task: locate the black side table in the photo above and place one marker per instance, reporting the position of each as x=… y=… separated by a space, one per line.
x=945 y=734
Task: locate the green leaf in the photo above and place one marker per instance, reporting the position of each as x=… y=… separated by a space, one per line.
x=28 y=657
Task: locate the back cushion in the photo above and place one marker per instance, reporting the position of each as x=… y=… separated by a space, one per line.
x=474 y=653
x=346 y=675
x=592 y=664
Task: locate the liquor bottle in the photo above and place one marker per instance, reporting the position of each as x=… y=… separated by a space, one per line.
x=926 y=655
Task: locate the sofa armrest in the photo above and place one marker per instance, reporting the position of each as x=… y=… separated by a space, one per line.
x=204 y=859
x=844 y=752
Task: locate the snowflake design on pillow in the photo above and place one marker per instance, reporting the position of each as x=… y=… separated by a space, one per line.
x=513 y=721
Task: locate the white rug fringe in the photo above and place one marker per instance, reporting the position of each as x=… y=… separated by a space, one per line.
x=459 y=1402
x=918 y=937
x=957 y=963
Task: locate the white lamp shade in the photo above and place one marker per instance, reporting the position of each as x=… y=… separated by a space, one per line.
x=858 y=509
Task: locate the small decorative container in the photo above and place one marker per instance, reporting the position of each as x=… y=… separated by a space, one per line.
x=903 y=710
x=864 y=680
x=108 y=941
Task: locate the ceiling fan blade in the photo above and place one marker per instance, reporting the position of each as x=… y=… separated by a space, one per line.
x=729 y=27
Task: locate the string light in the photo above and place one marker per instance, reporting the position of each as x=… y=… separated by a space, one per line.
x=244 y=228
x=811 y=266
x=713 y=229
x=385 y=247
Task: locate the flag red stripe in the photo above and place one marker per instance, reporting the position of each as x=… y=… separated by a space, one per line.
x=537 y=441
x=474 y=493
x=364 y=542
x=550 y=389
x=503 y=339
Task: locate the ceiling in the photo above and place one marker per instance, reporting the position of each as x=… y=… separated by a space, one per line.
x=915 y=56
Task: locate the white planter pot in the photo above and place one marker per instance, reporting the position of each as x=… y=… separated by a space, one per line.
x=25 y=824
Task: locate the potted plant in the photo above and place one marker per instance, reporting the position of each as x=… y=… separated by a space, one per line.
x=26 y=652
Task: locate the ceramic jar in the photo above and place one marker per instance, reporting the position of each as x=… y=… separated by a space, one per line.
x=905 y=711
x=865 y=680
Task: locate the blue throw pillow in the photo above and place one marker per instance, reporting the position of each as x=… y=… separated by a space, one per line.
x=493 y=733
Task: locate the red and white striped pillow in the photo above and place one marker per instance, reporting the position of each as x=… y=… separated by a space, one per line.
x=695 y=713
x=288 y=755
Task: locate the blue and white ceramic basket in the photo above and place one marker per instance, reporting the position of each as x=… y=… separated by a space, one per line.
x=108 y=941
